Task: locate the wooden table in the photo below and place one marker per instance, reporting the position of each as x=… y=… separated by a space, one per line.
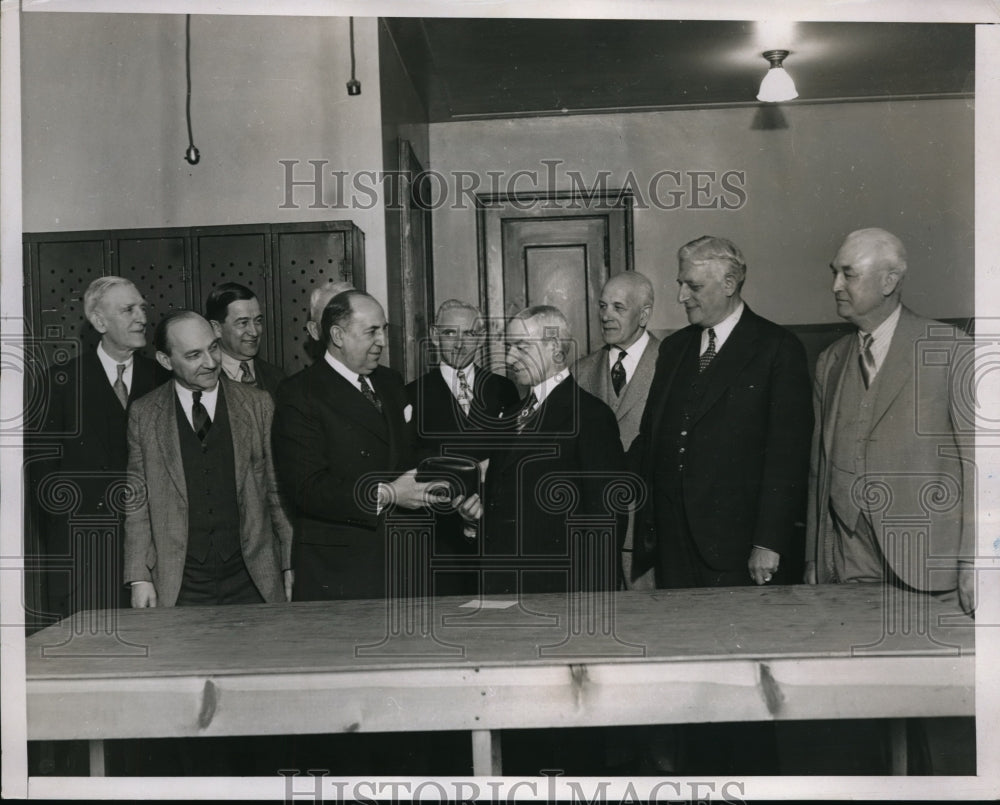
x=730 y=654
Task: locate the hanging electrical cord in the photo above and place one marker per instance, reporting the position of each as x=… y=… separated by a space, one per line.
x=191 y=155
x=353 y=86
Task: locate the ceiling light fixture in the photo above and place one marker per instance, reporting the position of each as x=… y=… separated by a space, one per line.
x=191 y=155
x=353 y=86
x=777 y=85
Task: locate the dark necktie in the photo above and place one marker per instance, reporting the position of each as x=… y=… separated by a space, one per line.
x=199 y=417
x=369 y=393
x=529 y=408
x=618 y=373
x=119 y=386
x=866 y=359
x=708 y=354
x=245 y=376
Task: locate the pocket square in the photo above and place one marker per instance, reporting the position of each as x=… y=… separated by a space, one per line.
x=408 y=413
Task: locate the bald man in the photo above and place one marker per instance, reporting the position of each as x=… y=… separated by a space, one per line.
x=884 y=420
x=621 y=372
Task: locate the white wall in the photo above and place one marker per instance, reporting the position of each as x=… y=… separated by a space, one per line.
x=105 y=133
x=906 y=166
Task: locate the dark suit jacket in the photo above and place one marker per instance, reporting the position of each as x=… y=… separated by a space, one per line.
x=556 y=469
x=268 y=376
x=331 y=448
x=441 y=423
x=747 y=451
x=156 y=529
x=443 y=428
x=916 y=467
x=85 y=425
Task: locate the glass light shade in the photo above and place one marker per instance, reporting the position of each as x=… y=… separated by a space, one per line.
x=777 y=86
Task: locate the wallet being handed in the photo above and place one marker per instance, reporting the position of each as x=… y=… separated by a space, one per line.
x=461 y=474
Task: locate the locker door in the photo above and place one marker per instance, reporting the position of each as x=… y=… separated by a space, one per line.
x=304 y=261
x=235 y=254
x=158 y=265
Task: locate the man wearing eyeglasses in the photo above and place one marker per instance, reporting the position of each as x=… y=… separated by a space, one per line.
x=455 y=407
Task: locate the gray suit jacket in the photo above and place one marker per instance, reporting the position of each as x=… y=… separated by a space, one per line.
x=594 y=375
x=918 y=485
x=156 y=523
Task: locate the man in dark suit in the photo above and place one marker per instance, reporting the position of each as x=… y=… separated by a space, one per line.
x=562 y=446
x=455 y=409
x=235 y=314
x=620 y=374
x=209 y=527
x=344 y=449
x=84 y=431
x=724 y=439
x=723 y=450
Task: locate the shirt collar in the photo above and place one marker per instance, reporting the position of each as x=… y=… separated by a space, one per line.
x=633 y=353
x=544 y=389
x=208 y=398
x=231 y=366
x=450 y=375
x=723 y=329
x=341 y=369
x=882 y=337
x=110 y=365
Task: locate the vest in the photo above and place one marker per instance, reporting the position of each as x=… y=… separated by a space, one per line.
x=855 y=412
x=210 y=477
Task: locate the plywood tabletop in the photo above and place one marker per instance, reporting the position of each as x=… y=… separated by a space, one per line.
x=627 y=627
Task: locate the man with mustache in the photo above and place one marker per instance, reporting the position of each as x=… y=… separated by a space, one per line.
x=235 y=315
x=207 y=527
x=344 y=448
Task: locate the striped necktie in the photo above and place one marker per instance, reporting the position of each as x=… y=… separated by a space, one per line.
x=121 y=392
x=708 y=354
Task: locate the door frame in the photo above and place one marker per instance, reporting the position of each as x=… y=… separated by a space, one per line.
x=493 y=208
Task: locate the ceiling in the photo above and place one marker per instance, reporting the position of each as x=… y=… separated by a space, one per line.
x=468 y=69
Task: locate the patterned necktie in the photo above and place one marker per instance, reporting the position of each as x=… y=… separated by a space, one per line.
x=708 y=354
x=525 y=413
x=464 y=392
x=119 y=386
x=369 y=393
x=199 y=417
x=245 y=376
x=866 y=360
x=618 y=373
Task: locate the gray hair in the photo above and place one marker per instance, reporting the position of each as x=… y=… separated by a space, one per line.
x=884 y=247
x=322 y=295
x=639 y=286
x=97 y=289
x=457 y=304
x=553 y=323
x=712 y=249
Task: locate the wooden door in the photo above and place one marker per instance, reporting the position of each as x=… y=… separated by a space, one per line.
x=552 y=250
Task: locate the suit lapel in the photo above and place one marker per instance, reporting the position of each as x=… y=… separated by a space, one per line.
x=240 y=423
x=348 y=400
x=897 y=368
x=834 y=382
x=640 y=377
x=738 y=350
x=677 y=347
x=165 y=426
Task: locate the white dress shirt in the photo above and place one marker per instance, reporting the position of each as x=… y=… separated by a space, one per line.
x=111 y=367
x=881 y=338
x=231 y=366
x=450 y=375
x=632 y=356
x=544 y=389
x=348 y=374
x=208 y=399
x=722 y=330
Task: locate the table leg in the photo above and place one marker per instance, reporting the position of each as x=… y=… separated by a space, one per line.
x=486 y=759
x=98 y=764
x=898 y=745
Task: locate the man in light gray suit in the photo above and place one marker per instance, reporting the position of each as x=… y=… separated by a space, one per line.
x=208 y=525
x=621 y=372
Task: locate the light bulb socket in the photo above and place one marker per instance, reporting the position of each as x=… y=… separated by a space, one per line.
x=354 y=87
x=192 y=155
x=776 y=57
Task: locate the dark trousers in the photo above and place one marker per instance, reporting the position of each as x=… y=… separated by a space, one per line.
x=217 y=581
